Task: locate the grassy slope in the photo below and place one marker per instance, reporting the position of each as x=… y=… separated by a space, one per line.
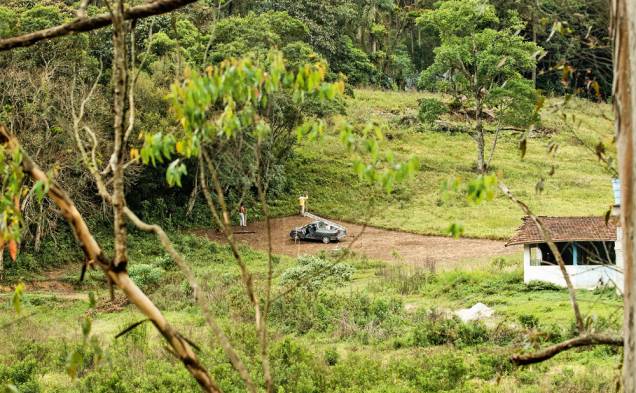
x=579 y=187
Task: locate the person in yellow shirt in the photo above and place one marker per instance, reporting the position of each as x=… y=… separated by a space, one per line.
x=302 y=202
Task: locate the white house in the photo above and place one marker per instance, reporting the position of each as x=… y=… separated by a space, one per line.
x=590 y=247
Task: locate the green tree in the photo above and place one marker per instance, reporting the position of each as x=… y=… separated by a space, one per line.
x=480 y=57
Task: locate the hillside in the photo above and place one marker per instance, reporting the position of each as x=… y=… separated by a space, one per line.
x=580 y=185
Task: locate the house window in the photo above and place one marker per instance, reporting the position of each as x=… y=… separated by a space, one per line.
x=585 y=253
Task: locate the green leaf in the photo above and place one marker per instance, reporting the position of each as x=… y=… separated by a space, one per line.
x=74 y=362
x=455 y=230
x=87 y=323
x=11 y=388
x=92 y=301
x=17 y=297
x=41 y=188
x=175 y=171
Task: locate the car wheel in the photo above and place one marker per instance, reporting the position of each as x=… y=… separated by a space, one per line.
x=325 y=240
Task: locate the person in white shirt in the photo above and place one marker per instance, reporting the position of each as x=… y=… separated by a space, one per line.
x=243 y=216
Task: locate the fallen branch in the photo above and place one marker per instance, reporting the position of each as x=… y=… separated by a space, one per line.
x=81 y=25
x=581 y=341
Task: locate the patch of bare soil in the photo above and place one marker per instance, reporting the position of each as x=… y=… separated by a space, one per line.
x=375 y=243
x=52 y=284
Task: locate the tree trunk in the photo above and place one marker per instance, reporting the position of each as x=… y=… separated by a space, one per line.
x=624 y=35
x=120 y=74
x=37 y=242
x=479 y=137
x=534 y=39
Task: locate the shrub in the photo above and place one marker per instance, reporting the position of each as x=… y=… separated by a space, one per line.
x=529 y=321
x=355 y=315
x=313 y=273
x=491 y=365
x=22 y=375
x=146 y=276
x=430 y=110
x=441 y=372
x=331 y=356
x=536 y=285
x=297 y=370
x=165 y=262
x=440 y=331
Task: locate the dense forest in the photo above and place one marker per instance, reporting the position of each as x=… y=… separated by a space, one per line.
x=133 y=134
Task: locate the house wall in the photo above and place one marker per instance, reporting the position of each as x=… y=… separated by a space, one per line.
x=582 y=276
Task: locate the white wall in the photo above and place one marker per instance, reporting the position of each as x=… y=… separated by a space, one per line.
x=582 y=276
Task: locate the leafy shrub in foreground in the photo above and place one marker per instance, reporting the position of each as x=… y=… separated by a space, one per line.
x=22 y=375
x=441 y=372
x=355 y=315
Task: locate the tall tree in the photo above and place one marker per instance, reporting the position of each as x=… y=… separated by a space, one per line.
x=480 y=57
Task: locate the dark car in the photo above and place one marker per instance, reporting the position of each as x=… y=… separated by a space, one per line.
x=319 y=230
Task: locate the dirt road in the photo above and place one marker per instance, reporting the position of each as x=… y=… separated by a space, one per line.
x=376 y=243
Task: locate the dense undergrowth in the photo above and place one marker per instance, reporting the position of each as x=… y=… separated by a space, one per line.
x=365 y=327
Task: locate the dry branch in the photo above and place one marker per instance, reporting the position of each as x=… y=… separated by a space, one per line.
x=580 y=341
x=80 y=25
x=117 y=274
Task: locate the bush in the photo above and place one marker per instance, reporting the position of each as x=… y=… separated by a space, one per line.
x=439 y=372
x=355 y=315
x=146 y=276
x=314 y=273
x=439 y=330
x=297 y=369
x=430 y=110
x=22 y=375
x=529 y=321
x=491 y=365
x=331 y=356
x=536 y=285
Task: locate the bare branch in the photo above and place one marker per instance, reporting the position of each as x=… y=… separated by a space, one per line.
x=88 y=24
x=116 y=274
x=201 y=302
x=246 y=276
x=581 y=341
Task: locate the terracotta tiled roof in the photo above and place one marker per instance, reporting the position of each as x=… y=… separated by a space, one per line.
x=565 y=229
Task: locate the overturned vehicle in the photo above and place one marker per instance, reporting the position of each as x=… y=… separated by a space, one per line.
x=320 y=230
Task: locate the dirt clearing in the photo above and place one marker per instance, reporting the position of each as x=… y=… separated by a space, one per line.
x=375 y=243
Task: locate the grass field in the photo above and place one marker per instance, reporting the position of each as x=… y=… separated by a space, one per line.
x=580 y=185
x=369 y=327
x=383 y=330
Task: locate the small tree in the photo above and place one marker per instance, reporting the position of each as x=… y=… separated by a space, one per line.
x=481 y=61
